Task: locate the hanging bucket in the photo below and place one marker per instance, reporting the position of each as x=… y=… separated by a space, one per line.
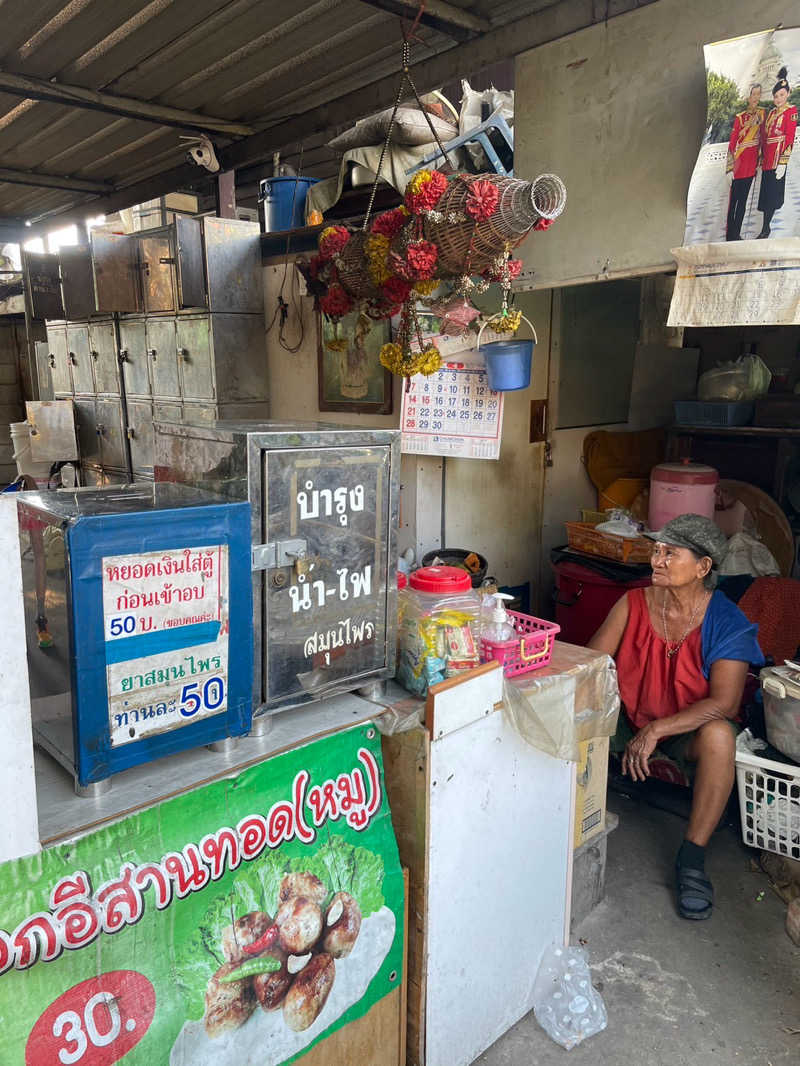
x=282 y=203
x=508 y=363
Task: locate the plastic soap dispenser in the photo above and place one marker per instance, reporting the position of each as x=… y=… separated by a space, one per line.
x=497 y=626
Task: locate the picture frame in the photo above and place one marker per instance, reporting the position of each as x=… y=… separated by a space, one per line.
x=350 y=380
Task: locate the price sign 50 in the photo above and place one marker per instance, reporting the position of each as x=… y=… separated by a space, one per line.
x=94 y=1023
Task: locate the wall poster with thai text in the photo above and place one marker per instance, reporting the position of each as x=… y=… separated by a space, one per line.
x=235 y=925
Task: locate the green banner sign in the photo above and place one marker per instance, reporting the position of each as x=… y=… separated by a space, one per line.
x=236 y=925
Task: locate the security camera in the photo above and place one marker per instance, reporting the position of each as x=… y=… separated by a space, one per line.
x=201 y=152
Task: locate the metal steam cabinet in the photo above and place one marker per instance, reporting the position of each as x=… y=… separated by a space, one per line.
x=151 y=615
x=324 y=519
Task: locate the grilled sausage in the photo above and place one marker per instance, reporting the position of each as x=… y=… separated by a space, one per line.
x=304 y=884
x=244 y=931
x=270 y=988
x=309 y=993
x=228 y=1005
x=299 y=922
x=341 y=935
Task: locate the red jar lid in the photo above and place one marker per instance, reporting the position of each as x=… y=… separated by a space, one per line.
x=439 y=579
x=685 y=473
x=402 y=580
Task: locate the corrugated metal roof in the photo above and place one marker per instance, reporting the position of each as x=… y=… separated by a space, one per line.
x=264 y=63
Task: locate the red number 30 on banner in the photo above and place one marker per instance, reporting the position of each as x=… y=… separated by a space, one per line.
x=94 y=1023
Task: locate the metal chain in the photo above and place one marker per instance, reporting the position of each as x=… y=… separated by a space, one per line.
x=388 y=138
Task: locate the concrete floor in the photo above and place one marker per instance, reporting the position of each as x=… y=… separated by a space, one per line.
x=723 y=991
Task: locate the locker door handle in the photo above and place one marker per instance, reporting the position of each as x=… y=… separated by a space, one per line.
x=73 y=359
x=123 y=355
x=183 y=353
x=95 y=355
x=152 y=353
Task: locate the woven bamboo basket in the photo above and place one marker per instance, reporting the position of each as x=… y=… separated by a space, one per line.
x=521 y=205
x=351 y=266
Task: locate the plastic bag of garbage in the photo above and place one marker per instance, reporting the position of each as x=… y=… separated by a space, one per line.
x=743 y=379
x=565 y=1004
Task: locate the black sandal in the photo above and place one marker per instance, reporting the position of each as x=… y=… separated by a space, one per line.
x=694 y=888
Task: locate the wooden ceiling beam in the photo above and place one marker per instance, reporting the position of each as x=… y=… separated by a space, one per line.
x=446 y=18
x=52 y=181
x=128 y=106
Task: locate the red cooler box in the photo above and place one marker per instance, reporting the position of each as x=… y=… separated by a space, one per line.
x=586 y=590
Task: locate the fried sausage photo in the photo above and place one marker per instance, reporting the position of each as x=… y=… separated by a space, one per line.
x=242 y=934
x=342 y=925
x=228 y=1004
x=309 y=993
x=304 y=884
x=299 y=922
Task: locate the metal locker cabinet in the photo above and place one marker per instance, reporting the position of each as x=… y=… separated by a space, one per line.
x=233 y=265
x=157 y=266
x=240 y=357
x=77 y=281
x=109 y=429
x=60 y=368
x=167 y=412
x=140 y=434
x=88 y=439
x=194 y=355
x=44 y=374
x=163 y=357
x=115 y=264
x=43 y=285
x=191 y=281
x=133 y=354
x=103 y=350
x=81 y=361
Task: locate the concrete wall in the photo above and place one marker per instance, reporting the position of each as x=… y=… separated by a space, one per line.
x=492 y=507
x=618 y=111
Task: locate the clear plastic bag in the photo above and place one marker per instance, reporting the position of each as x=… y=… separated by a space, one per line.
x=565 y=1003
x=742 y=380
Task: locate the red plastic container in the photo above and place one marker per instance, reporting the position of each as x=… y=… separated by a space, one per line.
x=530 y=650
x=584 y=597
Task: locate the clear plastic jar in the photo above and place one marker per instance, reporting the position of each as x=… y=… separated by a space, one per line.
x=438 y=627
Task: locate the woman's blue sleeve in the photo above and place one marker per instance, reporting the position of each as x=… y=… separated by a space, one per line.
x=727 y=634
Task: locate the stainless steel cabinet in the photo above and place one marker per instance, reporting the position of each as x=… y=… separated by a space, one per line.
x=133 y=356
x=194 y=355
x=77 y=281
x=115 y=265
x=163 y=357
x=80 y=360
x=233 y=266
x=140 y=435
x=240 y=357
x=88 y=439
x=109 y=430
x=157 y=266
x=60 y=368
x=103 y=350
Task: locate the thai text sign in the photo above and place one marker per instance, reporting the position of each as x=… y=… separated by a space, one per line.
x=235 y=925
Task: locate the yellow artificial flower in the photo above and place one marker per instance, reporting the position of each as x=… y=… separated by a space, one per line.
x=426 y=287
x=506 y=322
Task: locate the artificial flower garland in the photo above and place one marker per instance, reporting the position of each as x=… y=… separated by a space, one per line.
x=424 y=191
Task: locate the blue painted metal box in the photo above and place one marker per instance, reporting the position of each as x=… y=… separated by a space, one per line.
x=146 y=592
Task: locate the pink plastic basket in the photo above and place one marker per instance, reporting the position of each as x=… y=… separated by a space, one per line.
x=530 y=650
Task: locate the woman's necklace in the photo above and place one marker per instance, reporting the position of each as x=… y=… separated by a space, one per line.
x=674 y=650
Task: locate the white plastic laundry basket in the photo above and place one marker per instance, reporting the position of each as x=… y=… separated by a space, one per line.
x=769 y=800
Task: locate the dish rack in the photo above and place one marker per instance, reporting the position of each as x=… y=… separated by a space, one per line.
x=531 y=649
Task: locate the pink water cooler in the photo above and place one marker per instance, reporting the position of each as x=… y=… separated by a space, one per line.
x=681 y=488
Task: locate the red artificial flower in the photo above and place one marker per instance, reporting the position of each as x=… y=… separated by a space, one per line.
x=315 y=266
x=422 y=257
x=390 y=222
x=336 y=302
x=424 y=195
x=332 y=240
x=396 y=290
x=514 y=268
x=482 y=199
x=543 y=223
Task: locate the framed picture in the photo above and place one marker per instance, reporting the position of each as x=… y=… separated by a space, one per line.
x=353 y=379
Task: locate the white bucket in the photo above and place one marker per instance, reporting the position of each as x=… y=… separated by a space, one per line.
x=21 y=441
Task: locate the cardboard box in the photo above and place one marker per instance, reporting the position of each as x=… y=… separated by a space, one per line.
x=590 y=794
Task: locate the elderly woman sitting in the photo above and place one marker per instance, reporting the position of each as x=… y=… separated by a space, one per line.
x=682 y=652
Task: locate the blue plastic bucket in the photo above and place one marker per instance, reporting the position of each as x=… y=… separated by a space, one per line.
x=508 y=363
x=283 y=203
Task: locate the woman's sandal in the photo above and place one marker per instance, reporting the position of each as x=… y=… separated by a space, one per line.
x=695 y=893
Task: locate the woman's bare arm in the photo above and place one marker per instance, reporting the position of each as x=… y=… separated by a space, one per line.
x=609 y=636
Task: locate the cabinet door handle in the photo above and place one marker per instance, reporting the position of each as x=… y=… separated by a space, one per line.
x=183 y=353
x=152 y=353
x=123 y=355
x=95 y=355
x=72 y=359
